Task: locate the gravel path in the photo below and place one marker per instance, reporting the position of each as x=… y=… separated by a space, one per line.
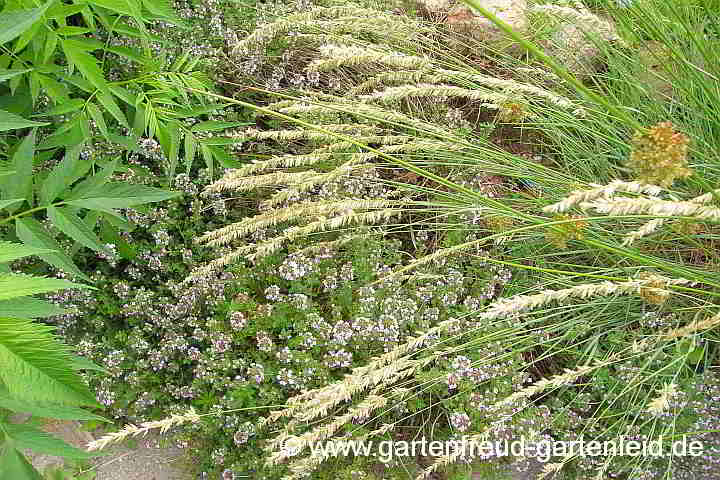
x=147 y=461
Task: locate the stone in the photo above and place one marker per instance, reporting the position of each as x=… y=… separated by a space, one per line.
x=575 y=37
x=465 y=19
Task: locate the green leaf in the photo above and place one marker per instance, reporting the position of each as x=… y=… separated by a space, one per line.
x=13 y=251
x=15 y=23
x=82 y=363
x=10 y=121
x=73 y=226
x=109 y=103
x=65 y=173
x=12 y=201
x=50 y=46
x=72 y=105
x=77 y=55
x=190 y=151
x=7 y=74
x=38 y=441
x=209 y=158
x=99 y=120
x=164 y=10
x=122 y=195
x=70 y=31
x=13 y=285
x=14 y=465
x=124 y=94
x=213 y=126
x=124 y=7
x=36 y=366
x=88 y=186
x=48 y=410
x=28 y=307
x=130 y=53
x=31 y=232
x=20 y=185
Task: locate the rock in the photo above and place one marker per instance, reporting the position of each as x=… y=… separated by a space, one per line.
x=574 y=36
x=470 y=23
x=465 y=19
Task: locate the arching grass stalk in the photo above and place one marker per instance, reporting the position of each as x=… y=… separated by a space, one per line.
x=559 y=70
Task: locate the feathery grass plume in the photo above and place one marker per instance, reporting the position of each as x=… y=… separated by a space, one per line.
x=134 y=430
x=661 y=403
x=278 y=162
x=324 y=20
x=230 y=233
x=255 y=251
x=661 y=208
x=650 y=283
x=692 y=328
x=654 y=225
x=243 y=184
x=602 y=191
x=390 y=95
x=659 y=154
x=467 y=79
x=337 y=56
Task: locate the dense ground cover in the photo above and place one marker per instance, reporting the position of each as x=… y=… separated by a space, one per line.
x=492 y=237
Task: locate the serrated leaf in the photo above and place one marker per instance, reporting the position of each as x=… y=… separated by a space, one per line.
x=6 y=74
x=50 y=46
x=82 y=363
x=129 y=53
x=13 y=251
x=10 y=121
x=109 y=103
x=124 y=7
x=13 y=285
x=29 y=35
x=80 y=82
x=64 y=174
x=48 y=410
x=72 y=105
x=12 y=201
x=22 y=164
x=99 y=120
x=14 y=23
x=209 y=158
x=71 y=225
x=190 y=150
x=77 y=55
x=70 y=31
x=31 y=232
x=164 y=10
x=28 y=307
x=14 y=465
x=124 y=94
x=122 y=195
x=214 y=126
x=89 y=185
x=61 y=10
x=139 y=120
x=36 y=366
x=38 y=441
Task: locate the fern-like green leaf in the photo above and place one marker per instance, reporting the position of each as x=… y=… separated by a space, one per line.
x=13 y=251
x=14 y=465
x=36 y=367
x=31 y=232
x=28 y=307
x=48 y=410
x=25 y=436
x=13 y=285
